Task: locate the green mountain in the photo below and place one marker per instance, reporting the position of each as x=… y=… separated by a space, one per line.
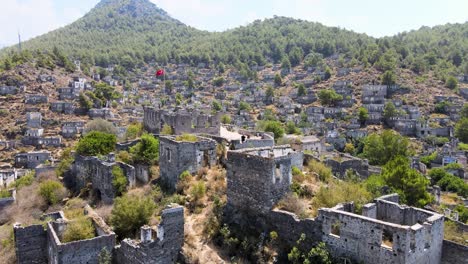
x=130 y=32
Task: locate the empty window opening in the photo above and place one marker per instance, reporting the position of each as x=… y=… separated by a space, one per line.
x=278 y=173
x=335 y=228
x=387 y=239
x=168 y=151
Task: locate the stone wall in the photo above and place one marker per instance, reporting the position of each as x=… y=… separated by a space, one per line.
x=258 y=178
x=30 y=244
x=164 y=248
x=181 y=122
x=454 y=253
x=176 y=157
x=98 y=172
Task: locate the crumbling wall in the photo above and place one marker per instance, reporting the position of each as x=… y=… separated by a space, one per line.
x=176 y=157
x=98 y=172
x=255 y=182
x=454 y=253
x=30 y=244
x=164 y=248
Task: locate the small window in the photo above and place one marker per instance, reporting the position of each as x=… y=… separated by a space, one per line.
x=387 y=239
x=278 y=173
x=335 y=228
x=168 y=151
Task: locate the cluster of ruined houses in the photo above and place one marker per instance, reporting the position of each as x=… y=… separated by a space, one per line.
x=259 y=175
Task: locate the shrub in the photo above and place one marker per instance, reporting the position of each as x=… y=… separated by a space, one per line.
x=26 y=180
x=451 y=82
x=274 y=127
x=134 y=131
x=120 y=181
x=166 y=130
x=100 y=125
x=226 y=119
x=324 y=173
x=96 y=143
x=130 y=212
x=78 y=229
x=52 y=191
x=187 y=138
x=5 y=193
x=146 y=151
x=198 y=190
x=65 y=162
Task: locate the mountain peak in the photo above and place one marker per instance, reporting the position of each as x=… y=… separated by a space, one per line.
x=134 y=8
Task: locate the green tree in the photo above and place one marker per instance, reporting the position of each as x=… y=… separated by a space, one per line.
x=328 y=73
x=329 y=97
x=407 y=182
x=451 y=82
x=146 y=151
x=79 y=229
x=244 y=106
x=168 y=86
x=291 y=128
x=464 y=111
x=285 y=64
x=105 y=257
x=380 y=149
x=388 y=78
x=461 y=130
x=96 y=143
x=278 y=80
x=218 y=81
x=363 y=115
x=274 y=127
x=100 y=125
x=390 y=111
x=301 y=90
x=52 y=191
x=216 y=106
x=226 y=119
x=119 y=182
x=131 y=212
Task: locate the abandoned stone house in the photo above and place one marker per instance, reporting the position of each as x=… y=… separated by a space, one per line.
x=104 y=113
x=10 y=175
x=34 y=244
x=40 y=142
x=72 y=128
x=33 y=120
x=8 y=90
x=155 y=246
x=250 y=139
x=374 y=94
x=46 y=78
x=69 y=93
x=36 y=99
x=99 y=172
x=176 y=157
x=62 y=107
x=34 y=132
x=341 y=163
x=258 y=178
x=31 y=160
x=181 y=122
x=307 y=143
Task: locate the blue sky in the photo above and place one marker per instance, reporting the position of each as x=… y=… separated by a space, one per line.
x=374 y=17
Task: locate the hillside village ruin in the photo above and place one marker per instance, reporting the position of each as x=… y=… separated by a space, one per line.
x=259 y=172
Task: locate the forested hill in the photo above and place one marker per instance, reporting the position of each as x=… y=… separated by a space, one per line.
x=130 y=32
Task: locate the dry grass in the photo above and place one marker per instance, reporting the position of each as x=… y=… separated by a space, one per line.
x=453 y=233
x=294 y=204
x=449 y=198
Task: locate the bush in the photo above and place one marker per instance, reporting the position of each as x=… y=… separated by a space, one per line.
x=100 y=125
x=324 y=173
x=120 y=181
x=146 y=151
x=198 y=190
x=52 y=191
x=329 y=97
x=166 y=130
x=187 y=138
x=4 y=193
x=96 y=143
x=451 y=82
x=130 y=212
x=65 y=162
x=380 y=149
x=226 y=119
x=461 y=130
x=26 y=180
x=134 y=131
x=274 y=127
x=78 y=229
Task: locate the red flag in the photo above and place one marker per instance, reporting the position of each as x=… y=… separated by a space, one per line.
x=160 y=72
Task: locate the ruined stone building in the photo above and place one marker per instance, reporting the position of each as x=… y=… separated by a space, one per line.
x=98 y=172
x=36 y=244
x=176 y=157
x=258 y=178
x=181 y=121
x=31 y=160
x=155 y=246
x=385 y=232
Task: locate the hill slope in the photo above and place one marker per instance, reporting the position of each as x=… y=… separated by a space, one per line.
x=119 y=31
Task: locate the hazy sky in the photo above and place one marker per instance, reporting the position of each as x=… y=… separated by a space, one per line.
x=374 y=17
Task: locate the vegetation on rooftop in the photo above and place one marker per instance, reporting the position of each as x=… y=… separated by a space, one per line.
x=186 y=138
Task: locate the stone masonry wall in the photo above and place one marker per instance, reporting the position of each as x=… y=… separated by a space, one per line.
x=30 y=244
x=454 y=253
x=164 y=248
